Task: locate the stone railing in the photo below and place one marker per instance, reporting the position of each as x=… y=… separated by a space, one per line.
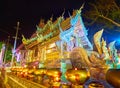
x=17 y=82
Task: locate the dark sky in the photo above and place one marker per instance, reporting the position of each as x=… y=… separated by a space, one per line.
x=29 y=13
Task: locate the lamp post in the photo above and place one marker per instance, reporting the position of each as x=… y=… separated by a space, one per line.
x=15 y=41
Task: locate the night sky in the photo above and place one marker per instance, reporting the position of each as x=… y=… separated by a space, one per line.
x=29 y=13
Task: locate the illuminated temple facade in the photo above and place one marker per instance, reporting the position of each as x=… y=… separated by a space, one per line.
x=66 y=39
x=54 y=40
x=63 y=46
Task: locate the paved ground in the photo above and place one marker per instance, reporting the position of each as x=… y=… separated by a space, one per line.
x=1 y=83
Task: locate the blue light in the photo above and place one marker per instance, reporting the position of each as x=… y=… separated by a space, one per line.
x=117 y=44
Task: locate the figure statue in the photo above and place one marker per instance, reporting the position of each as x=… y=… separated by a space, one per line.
x=38 y=29
x=114 y=56
x=49 y=22
x=39 y=37
x=111 y=47
x=71 y=44
x=42 y=23
x=59 y=20
x=97 y=38
x=79 y=56
x=105 y=50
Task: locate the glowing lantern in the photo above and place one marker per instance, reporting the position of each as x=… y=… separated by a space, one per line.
x=77 y=77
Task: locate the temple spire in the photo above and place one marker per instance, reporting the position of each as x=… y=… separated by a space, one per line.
x=63 y=12
x=69 y=15
x=60 y=28
x=79 y=11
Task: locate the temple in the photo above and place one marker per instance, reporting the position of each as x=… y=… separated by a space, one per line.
x=69 y=32
x=63 y=44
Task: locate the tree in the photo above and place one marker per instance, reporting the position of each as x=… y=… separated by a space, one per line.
x=106 y=12
x=8 y=52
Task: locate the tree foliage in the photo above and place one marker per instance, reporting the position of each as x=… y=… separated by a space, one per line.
x=106 y=12
x=8 y=51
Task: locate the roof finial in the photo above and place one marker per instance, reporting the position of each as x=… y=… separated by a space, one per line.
x=63 y=12
x=79 y=11
x=69 y=15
